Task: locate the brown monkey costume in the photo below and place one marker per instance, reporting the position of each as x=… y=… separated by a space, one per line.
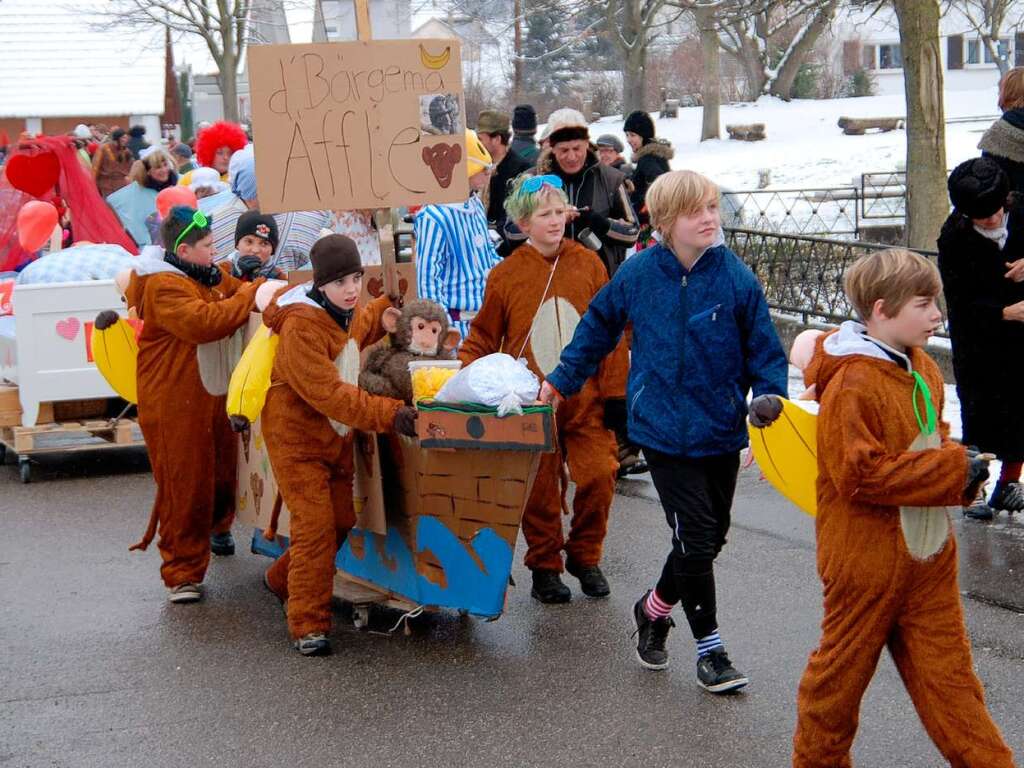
x=312 y=404
x=187 y=350
x=887 y=559
x=514 y=303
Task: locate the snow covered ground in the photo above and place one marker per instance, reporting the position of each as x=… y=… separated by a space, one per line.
x=804 y=146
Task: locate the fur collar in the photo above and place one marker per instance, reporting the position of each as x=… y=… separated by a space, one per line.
x=656 y=148
x=1004 y=140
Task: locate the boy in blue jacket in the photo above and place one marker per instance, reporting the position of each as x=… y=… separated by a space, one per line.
x=702 y=339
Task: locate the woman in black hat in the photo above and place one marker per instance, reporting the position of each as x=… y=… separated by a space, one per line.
x=980 y=250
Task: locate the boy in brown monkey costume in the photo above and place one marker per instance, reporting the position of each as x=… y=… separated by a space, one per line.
x=532 y=303
x=421 y=332
x=311 y=408
x=888 y=473
x=190 y=310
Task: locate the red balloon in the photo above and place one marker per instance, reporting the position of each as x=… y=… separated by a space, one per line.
x=36 y=222
x=172 y=196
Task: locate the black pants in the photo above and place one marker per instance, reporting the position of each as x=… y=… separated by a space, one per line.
x=697 y=497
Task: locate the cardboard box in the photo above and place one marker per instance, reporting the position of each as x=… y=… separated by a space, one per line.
x=453 y=425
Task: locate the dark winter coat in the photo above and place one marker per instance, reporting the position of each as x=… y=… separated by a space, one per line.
x=1004 y=143
x=987 y=360
x=506 y=171
x=525 y=147
x=602 y=190
x=651 y=160
x=624 y=167
x=702 y=340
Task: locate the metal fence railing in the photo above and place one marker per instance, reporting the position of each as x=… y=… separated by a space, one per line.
x=802 y=275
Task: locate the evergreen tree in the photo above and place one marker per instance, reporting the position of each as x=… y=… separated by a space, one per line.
x=550 y=57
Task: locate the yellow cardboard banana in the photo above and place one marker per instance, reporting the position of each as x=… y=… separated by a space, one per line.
x=787 y=454
x=431 y=61
x=250 y=381
x=116 y=354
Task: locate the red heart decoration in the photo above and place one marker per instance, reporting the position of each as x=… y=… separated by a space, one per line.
x=34 y=174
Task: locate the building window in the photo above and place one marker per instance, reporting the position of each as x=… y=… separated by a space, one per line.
x=868 y=54
x=974 y=51
x=1003 y=49
x=889 y=56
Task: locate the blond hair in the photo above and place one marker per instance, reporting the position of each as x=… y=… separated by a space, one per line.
x=140 y=168
x=677 y=193
x=1011 y=89
x=894 y=275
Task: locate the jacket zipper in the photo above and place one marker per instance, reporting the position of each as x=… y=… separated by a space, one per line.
x=682 y=347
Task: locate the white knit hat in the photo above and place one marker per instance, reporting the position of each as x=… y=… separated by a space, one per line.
x=566 y=125
x=82 y=131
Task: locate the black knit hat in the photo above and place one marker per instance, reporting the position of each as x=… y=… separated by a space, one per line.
x=524 y=119
x=257 y=224
x=334 y=257
x=641 y=124
x=117 y=133
x=978 y=188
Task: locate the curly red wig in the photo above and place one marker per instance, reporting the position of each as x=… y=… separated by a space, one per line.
x=221 y=134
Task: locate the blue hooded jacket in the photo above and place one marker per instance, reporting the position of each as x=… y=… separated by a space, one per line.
x=702 y=339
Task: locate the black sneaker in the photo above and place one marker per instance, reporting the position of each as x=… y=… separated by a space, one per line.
x=979 y=510
x=592 y=580
x=1007 y=497
x=222 y=544
x=548 y=587
x=716 y=673
x=313 y=644
x=651 y=636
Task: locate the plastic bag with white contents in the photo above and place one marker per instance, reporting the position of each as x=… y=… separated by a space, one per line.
x=496 y=380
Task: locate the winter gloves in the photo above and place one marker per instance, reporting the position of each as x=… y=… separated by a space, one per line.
x=764 y=410
x=977 y=473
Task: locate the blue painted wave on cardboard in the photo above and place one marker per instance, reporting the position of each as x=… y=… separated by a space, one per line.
x=468 y=587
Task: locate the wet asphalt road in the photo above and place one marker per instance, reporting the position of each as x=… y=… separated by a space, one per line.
x=97 y=669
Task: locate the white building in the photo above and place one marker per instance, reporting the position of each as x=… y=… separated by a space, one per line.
x=335 y=20
x=870 y=39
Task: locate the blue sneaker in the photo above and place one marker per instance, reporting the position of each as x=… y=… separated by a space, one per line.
x=313 y=644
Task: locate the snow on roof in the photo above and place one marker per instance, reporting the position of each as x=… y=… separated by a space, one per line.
x=54 y=63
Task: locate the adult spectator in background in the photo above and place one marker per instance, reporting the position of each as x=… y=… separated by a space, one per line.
x=492 y=128
x=609 y=152
x=454 y=253
x=136 y=202
x=361 y=229
x=137 y=140
x=600 y=215
x=112 y=163
x=524 y=128
x=215 y=145
x=182 y=156
x=980 y=257
x=651 y=157
x=1004 y=140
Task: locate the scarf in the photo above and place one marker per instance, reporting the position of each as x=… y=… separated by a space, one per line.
x=172 y=180
x=208 y=276
x=343 y=317
x=997 y=236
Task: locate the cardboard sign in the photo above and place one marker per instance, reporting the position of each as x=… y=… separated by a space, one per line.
x=358 y=125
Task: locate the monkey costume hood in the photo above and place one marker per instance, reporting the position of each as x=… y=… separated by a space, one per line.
x=187 y=350
x=519 y=299
x=886 y=557
x=312 y=405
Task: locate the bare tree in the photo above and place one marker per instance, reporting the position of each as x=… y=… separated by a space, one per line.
x=711 y=83
x=633 y=26
x=225 y=27
x=987 y=17
x=927 y=206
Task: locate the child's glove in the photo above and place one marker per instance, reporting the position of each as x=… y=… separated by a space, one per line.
x=247 y=267
x=764 y=410
x=405 y=421
x=977 y=474
x=105 y=319
x=615 y=417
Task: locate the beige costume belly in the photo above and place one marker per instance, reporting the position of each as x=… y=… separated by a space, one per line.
x=348 y=365
x=217 y=361
x=553 y=329
x=925 y=529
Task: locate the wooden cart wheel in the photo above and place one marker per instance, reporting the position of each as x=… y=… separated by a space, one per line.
x=361 y=616
x=25 y=469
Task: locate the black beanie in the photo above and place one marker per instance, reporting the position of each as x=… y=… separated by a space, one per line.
x=641 y=124
x=334 y=257
x=257 y=224
x=978 y=188
x=524 y=119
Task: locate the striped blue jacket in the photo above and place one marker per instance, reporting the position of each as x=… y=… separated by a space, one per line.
x=454 y=254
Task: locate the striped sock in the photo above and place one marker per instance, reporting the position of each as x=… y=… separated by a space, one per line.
x=655 y=607
x=708 y=643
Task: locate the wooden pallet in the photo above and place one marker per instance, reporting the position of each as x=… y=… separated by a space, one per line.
x=70 y=436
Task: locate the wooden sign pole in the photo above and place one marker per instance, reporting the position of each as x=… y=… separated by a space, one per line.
x=364 y=31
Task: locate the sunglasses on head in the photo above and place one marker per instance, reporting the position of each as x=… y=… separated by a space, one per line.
x=199 y=220
x=534 y=183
